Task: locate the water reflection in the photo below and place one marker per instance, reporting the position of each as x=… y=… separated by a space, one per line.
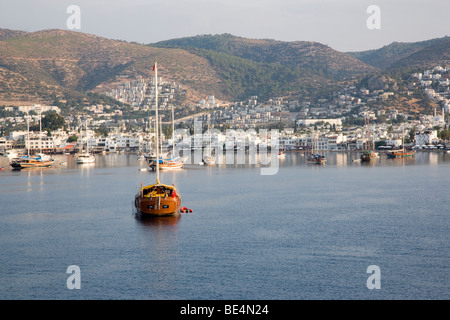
x=169 y=222
x=433 y=158
x=341 y=159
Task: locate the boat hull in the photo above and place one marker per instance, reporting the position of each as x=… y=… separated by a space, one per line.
x=209 y=160
x=369 y=156
x=395 y=155
x=81 y=161
x=157 y=206
x=85 y=158
x=17 y=165
x=316 y=159
x=167 y=165
x=157 y=200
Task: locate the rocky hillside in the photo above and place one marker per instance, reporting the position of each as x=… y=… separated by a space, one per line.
x=64 y=66
x=36 y=66
x=398 y=53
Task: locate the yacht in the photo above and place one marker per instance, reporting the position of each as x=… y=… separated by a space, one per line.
x=157 y=200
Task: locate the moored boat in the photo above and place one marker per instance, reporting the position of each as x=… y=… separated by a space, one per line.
x=400 y=153
x=369 y=153
x=316 y=159
x=39 y=161
x=209 y=160
x=85 y=158
x=157 y=200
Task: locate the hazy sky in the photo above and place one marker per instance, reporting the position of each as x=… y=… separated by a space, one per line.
x=341 y=24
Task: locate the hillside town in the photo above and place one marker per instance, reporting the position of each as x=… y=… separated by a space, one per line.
x=327 y=124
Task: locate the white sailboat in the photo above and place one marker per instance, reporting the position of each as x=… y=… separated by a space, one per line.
x=85 y=157
x=172 y=162
x=209 y=159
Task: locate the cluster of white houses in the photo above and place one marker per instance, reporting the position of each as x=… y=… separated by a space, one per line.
x=140 y=93
x=322 y=134
x=287 y=140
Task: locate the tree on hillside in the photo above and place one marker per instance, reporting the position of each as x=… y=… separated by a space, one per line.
x=52 y=121
x=444 y=135
x=102 y=131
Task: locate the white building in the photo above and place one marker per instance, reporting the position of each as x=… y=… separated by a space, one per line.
x=307 y=122
x=334 y=140
x=425 y=137
x=38 y=108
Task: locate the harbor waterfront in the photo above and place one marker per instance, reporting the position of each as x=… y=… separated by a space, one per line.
x=306 y=232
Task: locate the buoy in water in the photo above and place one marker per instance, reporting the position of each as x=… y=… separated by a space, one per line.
x=185 y=210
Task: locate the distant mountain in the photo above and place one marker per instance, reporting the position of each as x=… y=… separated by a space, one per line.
x=44 y=64
x=437 y=53
x=389 y=55
x=52 y=66
x=8 y=34
x=311 y=56
x=56 y=64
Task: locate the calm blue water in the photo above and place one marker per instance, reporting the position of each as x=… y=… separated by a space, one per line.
x=307 y=232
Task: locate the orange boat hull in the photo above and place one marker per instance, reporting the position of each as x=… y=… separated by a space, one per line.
x=158 y=206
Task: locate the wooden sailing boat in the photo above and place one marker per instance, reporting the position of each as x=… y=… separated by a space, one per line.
x=402 y=153
x=315 y=158
x=369 y=152
x=40 y=160
x=157 y=200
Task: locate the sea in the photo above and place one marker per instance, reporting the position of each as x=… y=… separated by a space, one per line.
x=342 y=231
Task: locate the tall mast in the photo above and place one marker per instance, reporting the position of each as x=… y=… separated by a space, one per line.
x=173 y=132
x=156 y=116
x=28 y=131
x=161 y=135
x=40 y=130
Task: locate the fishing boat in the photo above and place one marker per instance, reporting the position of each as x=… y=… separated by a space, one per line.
x=157 y=200
x=369 y=153
x=315 y=158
